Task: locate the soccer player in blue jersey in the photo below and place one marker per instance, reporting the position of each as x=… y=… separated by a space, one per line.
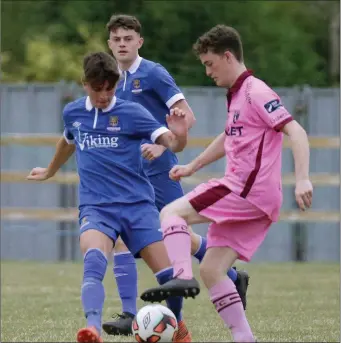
x=150 y=85
x=115 y=195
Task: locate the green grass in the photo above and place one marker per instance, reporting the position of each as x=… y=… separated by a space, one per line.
x=286 y=303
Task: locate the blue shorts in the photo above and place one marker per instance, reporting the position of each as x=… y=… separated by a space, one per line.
x=137 y=224
x=166 y=190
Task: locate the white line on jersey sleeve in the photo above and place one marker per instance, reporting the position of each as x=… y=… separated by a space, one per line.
x=175 y=98
x=158 y=132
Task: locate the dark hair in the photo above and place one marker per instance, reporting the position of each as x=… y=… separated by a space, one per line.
x=100 y=67
x=218 y=40
x=124 y=21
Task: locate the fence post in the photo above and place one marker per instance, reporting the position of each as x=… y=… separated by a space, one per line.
x=301 y=115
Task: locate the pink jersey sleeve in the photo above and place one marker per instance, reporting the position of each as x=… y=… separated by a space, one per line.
x=269 y=107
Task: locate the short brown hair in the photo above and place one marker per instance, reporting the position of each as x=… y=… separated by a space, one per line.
x=218 y=40
x=100 y=67
x=124 y=21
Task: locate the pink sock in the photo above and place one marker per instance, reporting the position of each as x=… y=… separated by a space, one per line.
x=178 y=243
x=226 y=300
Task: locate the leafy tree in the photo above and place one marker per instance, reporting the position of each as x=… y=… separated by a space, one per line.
x=285 y=42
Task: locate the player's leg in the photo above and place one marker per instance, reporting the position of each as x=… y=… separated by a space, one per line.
x=175 y=219
x=96 y=242
x=196 y=207
x=166 y=191
x=239 y=277
x=144 y=239
x=156 y=257
x=125 y=273
x=223 y=293
x=237 y=236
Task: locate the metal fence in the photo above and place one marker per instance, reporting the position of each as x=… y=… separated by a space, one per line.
x=38 y=220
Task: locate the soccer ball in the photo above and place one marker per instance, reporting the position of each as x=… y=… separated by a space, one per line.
x=154 y=323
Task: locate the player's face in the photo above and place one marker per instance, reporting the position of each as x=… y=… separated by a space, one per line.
x=218 y=67
x=100 y=96
x=124 y=44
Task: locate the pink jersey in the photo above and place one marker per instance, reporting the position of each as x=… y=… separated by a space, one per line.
x=253 y=143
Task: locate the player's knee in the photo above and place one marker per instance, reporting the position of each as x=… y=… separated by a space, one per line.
x=95 y=264
x=171 y=210
x=166 y=212
x=209 y=274
x=93 y=239
x=206 y=272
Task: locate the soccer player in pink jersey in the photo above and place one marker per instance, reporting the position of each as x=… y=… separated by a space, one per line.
x=242 y=205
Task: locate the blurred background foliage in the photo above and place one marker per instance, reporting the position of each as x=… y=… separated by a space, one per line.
x=285 y=42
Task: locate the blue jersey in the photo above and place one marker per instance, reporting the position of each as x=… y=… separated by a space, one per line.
x=108 y=150
x=150 y=85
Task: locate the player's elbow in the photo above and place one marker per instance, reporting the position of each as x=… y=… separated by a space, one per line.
x=178 y=148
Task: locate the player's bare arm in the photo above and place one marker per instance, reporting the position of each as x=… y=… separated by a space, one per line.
x=300 y=149
x=63 y=152
x=153 y=151
x=176 y=138
x=213 y=152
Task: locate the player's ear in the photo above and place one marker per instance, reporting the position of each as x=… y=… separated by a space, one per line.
x=227 y=56
x=141 y=41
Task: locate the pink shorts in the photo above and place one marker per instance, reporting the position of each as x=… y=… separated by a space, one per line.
x=236 y=223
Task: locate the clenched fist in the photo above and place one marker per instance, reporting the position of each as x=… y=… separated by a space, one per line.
x=38 y=174
x=179 y=171
x=152 y=151
x=304 y=194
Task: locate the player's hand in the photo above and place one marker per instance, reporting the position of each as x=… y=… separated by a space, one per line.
x=304 y=194
x=38 y=174
x=177 y=123
x=179 y=171
x=152 y=151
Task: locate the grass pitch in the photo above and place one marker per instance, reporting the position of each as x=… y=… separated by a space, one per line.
x=40 y=302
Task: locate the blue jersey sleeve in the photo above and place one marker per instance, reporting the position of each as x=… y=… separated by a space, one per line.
x=67 y=130
x=164 y=86
x=146 y=126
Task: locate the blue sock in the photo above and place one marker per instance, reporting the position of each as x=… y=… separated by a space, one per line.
x=173 y=303
x=202 y=249
x=125 y=272
x=95 y=265
x=232 y=273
